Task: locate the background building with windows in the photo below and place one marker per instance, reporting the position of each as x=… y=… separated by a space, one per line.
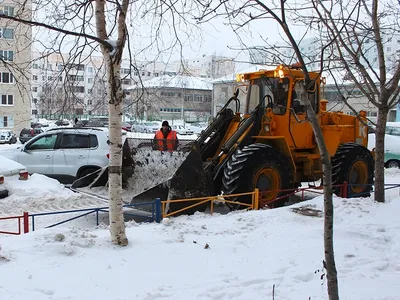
x=15 y=55
x=173 y=97
x=69 y=87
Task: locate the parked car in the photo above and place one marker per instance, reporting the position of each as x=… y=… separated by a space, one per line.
x=7 y=137
x=126 y=126
x=180 y=129
x=145 y=127
x=27 y=133
x=64 y=153
x=8 y=168
x=392 y=151
x=151 y=127
x=62 y=123
x=197 y=128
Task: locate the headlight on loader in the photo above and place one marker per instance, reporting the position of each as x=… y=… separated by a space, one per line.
x=266 y=128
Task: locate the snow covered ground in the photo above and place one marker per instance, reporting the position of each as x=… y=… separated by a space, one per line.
x=247 y=253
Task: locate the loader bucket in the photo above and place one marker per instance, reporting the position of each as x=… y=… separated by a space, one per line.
x=167 y=175
x=149 y=174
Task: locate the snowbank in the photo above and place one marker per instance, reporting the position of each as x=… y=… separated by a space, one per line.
x=236 y=256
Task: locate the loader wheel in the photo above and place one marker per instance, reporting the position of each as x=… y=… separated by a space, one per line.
x=258 y=166
x=353 y=163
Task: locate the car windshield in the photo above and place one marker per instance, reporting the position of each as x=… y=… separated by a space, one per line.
x=393 y=130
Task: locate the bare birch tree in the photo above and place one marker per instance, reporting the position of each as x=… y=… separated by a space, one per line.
x=112 y=52
x=359 y=29
x=81 y=27
x=241 y=14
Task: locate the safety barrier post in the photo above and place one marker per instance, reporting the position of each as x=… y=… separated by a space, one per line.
x=256 y=194
x=344 y=189
x=26 y=222
x=158 y=210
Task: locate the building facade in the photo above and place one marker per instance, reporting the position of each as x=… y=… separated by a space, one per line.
x=66 y=87
x=15 y=55
x=173 y=97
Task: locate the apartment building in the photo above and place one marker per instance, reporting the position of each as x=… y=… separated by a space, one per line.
x=65 y=87
x=15 y=54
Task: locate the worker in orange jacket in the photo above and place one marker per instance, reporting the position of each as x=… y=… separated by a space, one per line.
x=165 y=139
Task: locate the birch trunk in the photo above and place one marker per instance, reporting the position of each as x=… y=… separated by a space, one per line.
x=117 y=224
x=329 y=263
x=112 y=53
x=380 y=155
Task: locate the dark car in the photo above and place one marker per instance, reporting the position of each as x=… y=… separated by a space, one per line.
x=27 y=133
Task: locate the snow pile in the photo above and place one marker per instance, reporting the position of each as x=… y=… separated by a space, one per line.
x=41 y=194
x=236 y=256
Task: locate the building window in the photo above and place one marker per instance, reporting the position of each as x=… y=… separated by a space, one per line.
x=35 y=89
x=34 y=77
x=35 y=66
x=126 y=81
x=90 y=102
x=389 y=49
x=78 y=89
x=60 y=78
x=7 y=11
x=90 y=69
x=6 y=33
x=7 y=100
x=198 y=98
x=49 y=77
x=90 y=80
x=7 y=55
x=89 y=91
x=7 y=77
x=6 y=121
x=189 y=98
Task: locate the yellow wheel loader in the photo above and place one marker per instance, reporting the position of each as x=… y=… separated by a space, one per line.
x=263 y=141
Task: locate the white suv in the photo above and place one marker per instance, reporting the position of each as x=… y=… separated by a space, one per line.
x=64 y=153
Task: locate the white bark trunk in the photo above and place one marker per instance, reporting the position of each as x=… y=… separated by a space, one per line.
x=115 y=96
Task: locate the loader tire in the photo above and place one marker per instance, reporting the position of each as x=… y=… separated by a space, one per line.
x=258 y=166
x=353 y=163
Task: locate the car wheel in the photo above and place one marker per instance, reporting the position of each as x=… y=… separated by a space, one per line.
x=88 y=171
x=393 y=164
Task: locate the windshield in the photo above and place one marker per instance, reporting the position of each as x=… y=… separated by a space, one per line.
x=392 y=130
